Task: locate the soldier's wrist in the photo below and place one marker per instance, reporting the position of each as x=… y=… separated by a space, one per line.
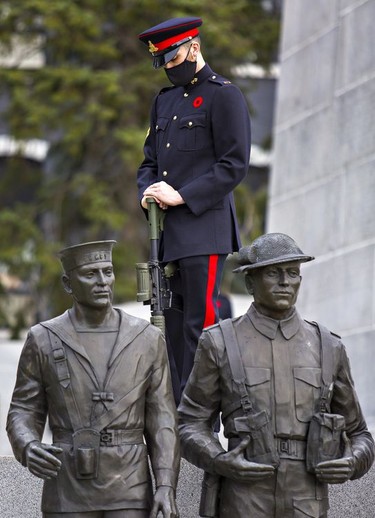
x=165 y=487
x=216 y=463
x=27 y=450
x=179 y=199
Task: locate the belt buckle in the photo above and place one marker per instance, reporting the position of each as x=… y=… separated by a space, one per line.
x=284 y=446
x=107 y=436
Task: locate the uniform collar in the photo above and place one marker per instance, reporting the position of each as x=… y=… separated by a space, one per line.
x=268 y=326
x=200 y=76
x=130 y=327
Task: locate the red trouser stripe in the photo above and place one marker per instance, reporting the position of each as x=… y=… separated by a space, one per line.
x=209 y=318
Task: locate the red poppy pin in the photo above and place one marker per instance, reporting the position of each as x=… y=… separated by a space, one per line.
x=197 y=102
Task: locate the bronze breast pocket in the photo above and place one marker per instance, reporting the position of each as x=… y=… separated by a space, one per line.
x=258 y=381
x=307 y=383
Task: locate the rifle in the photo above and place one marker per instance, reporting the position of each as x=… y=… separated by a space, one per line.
x=152 y=278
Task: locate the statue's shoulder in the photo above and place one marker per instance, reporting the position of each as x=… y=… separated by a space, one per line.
x=40 y=331
x=50 y=323
x=136 y=324
x=215 y=330
x=127 y=318
x=334 y=336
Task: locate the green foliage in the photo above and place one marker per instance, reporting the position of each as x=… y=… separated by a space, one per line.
x=251 y=212
x=91 y=102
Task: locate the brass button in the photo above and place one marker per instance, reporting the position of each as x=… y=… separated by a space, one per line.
x=168 y=145
x=190 y=123
x=213 y=77
x=165 y=173
x=175 y=117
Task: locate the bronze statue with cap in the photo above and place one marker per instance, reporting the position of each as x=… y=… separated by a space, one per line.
x=285 y=390
x=102 y=379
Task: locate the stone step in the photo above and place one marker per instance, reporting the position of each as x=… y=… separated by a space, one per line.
x=20 y=493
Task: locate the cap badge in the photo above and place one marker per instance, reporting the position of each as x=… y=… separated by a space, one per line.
x=151 y=47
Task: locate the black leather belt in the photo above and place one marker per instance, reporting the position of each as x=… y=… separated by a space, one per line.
x=108 y=437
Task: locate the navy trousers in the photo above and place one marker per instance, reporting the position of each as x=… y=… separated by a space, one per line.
x=197 y=282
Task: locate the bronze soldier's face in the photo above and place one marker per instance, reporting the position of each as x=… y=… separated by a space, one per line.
x=275 y=289
x=92 y=284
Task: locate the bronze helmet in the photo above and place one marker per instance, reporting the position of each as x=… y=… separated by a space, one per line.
x=272 y=248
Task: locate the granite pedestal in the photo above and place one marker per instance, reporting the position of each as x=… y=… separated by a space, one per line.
x=20 y=493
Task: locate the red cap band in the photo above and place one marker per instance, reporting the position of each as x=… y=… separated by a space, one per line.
x=162 y=45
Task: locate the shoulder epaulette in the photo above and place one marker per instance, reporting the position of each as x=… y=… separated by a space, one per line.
x=166 y=89
x=214 y=78
x=311 y=322
x=212 y=326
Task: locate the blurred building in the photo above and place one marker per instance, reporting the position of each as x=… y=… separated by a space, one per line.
x=259 y=87
x=31 y=153
x=323 y=183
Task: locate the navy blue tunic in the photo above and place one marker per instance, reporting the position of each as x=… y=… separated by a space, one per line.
x=199 y=143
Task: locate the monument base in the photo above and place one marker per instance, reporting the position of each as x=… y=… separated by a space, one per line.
x=20 y=493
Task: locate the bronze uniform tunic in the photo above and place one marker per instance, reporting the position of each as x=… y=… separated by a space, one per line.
x=138 y=358
x=282 y=364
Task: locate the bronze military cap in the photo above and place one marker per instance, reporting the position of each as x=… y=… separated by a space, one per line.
x=86 y=253
x=272 y=248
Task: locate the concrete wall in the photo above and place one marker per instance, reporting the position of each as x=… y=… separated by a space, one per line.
x=322 y=189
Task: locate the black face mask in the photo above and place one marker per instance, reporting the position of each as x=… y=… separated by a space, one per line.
x=182 y=74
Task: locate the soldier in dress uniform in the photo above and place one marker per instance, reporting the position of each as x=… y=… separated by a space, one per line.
x=196 y=152
x=285 y=390
x=102 y=378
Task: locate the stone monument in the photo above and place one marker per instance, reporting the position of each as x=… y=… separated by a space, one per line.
x=323 y=184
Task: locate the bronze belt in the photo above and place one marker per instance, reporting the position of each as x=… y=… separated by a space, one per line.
x=108 y=437
x=291 y=448
x=287 y=448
